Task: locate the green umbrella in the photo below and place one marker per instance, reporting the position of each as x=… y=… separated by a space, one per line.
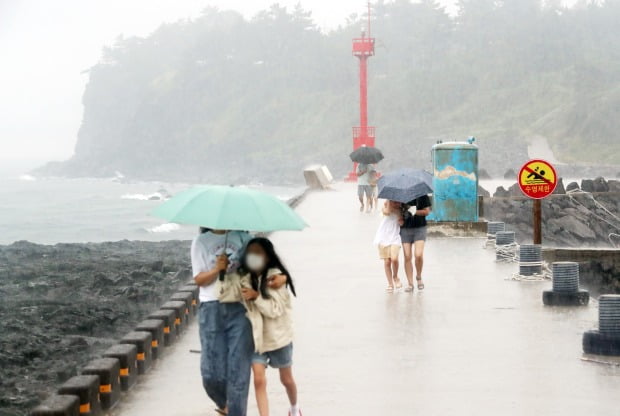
x=230 y=208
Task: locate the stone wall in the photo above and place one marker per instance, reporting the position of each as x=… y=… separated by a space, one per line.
x=569 y=220
x=599 y=269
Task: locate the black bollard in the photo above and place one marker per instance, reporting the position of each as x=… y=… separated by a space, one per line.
x=156 y=328
x=194 y=290
x=58 y=405
x=108 y=370
x=179 y=308
x=187 y=298
x=86 y=387
x=142 y=341
x=127 y=357
x=168 y=316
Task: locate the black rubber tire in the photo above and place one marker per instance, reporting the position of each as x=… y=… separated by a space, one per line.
x=579 y=298
x=600 y=344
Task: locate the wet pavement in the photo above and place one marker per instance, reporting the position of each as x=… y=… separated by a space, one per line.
x=471 y=343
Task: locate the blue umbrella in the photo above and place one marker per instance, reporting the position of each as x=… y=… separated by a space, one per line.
x=405 y=185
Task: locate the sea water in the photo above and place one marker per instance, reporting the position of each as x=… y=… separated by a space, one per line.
x=58 y=210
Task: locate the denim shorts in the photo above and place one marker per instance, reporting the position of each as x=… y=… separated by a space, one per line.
x=411 y=235
x=280 y=358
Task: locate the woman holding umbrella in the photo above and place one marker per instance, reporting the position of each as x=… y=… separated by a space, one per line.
x=410 y=187
x=225 y=332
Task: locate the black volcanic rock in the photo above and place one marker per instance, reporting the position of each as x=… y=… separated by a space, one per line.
x=64 y=304
x=572 y=186
x=501 y=192
x=587 y=185
x=483 y=192
x=510 y=174
x=483 y=174
x=559 y=189
x=600 y=185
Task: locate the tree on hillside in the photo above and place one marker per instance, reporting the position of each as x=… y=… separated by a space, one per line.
x=223 y=98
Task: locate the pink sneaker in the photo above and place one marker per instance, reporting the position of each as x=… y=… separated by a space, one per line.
x=298 y=413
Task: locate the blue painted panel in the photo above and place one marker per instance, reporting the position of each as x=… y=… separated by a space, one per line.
x=455 y=181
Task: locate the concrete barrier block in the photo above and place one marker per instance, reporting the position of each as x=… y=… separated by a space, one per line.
x=126 y=354
x=179 y=308
x=168 y=316
x=317 y=177
x=142 y=340
x=86 y=388
x=156 y=328
x=187 y=298
x=195 y=291
x=108 y=370
x=58 y=405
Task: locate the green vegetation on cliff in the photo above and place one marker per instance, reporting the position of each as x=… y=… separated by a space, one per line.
x=220 y=98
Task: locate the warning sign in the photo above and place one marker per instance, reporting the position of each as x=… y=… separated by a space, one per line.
x=537 y=179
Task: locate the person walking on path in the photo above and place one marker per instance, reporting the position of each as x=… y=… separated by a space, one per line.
x=275 y=339
x=413 y=236
x=388 y=241
x=225 y=332
x=373 y=178
x=363 y=186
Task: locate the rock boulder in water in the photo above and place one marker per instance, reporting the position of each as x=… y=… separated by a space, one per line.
x=614 y=185
x=515 y=190
x=483 y=192
x=559 y=189
x=572 y=186
x=483 y=174
x=587 y=185
x=501 y=192
x=600 y=185
x=510 y=174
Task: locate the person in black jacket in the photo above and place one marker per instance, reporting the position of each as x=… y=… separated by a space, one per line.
x=413 y=236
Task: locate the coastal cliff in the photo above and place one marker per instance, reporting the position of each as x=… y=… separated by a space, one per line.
x=224 y=99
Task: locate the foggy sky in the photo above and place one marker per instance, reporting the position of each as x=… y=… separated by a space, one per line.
x=45 y=45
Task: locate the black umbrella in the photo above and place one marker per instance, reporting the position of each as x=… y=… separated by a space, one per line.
x=405 y=185
x=366 y=155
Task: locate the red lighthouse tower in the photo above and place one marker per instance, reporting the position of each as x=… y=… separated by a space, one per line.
x=363 y=135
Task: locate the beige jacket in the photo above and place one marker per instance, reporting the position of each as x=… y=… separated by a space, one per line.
x=270 y=318
x=277 y=314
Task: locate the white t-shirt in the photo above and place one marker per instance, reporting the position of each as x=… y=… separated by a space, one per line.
x=388 y=233
x=205 y=250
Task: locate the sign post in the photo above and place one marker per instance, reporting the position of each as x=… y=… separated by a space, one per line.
x=537 y=180
x=537 y=213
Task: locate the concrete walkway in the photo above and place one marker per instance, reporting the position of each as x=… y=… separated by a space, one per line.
x=472 y=343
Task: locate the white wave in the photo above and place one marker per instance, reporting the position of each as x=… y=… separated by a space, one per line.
x=155 y=196
x=164 y=228
x=26 y=177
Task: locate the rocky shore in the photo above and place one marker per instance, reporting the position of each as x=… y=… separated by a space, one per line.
x=579 y=215
x=73 y=301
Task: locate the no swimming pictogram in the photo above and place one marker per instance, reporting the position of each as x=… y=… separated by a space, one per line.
x=537 y=179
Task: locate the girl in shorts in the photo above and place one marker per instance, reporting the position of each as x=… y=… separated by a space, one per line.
x=388 y=241
x=274 y=342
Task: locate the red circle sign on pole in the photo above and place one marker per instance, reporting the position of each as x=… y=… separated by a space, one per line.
x=537 y=179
